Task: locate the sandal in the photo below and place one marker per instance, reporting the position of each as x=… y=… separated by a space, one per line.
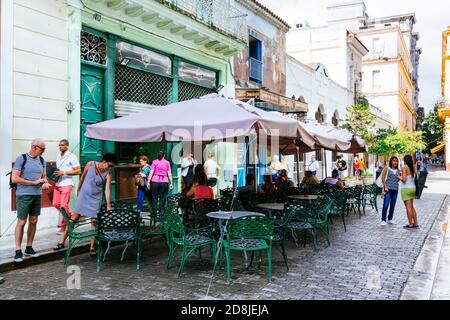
x=416 y=226
x=408 y=227
x=92 y=252
x=59 y=246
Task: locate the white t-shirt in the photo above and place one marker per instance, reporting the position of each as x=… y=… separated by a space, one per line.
x=211 y=168
x=312 y=166
x=66 y=163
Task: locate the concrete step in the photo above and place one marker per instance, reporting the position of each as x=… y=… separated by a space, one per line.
x=441 y=286
x=421 y=281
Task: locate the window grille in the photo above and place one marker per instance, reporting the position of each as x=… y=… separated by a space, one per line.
x=187 y=91
x=142 y=87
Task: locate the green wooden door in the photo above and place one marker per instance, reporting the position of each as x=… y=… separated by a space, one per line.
x=92 y=111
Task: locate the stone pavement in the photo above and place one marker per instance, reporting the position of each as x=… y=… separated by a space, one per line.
x=369 y=261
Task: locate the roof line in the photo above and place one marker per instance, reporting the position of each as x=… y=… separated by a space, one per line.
x=271 y=13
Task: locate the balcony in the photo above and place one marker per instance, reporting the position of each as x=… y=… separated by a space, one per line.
x=212 y=24
x=255 y=70
x=215 y=13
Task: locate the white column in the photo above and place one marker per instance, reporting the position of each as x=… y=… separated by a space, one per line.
x=6 y=111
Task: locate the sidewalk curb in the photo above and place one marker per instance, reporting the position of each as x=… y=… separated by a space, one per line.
x=420 y=282
x=45 y=256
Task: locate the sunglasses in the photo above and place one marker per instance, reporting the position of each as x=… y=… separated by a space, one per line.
x=43 y=149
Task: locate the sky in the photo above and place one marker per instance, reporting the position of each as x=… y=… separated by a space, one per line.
x=432 y=16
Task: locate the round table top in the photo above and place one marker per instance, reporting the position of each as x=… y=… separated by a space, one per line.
x=271 y=206
x=230 y=215
x=304 y=197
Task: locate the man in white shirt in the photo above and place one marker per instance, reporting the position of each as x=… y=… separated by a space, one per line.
x=68 y=166
x=313 y=165
x=211 y=170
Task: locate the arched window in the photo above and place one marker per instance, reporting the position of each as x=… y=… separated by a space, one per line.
x=335 y=119
x=320 y=116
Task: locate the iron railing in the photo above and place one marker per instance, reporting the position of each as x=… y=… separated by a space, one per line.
x=216 y=13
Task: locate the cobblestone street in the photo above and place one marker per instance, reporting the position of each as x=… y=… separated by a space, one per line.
x=369 y=261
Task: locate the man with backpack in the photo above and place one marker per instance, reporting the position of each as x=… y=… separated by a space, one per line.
x=29 y=177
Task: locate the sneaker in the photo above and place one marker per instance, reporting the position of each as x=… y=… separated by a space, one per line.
x=391 y=222
x=19 y=256
x=383 y=223
x=29 y=251
x=2 y=280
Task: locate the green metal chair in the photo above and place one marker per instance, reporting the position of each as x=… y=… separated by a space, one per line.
x=354 y=199
x=75 y=235
x=226 y=197
x=119 y=205
x=119 y=225
x=155 y=225
x=311 y=215
x=249 y=234
x=370 y=196
x=280 y=230
x=201 y=208
x=189 y=239
x=338 y=206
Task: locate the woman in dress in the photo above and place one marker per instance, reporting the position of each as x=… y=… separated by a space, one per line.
x=90 y=189
x=408 y=191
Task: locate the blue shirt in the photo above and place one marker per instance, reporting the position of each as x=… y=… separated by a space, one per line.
x=33 y=170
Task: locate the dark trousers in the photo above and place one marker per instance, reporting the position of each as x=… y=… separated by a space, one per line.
x=159 y=195
x=389 y=202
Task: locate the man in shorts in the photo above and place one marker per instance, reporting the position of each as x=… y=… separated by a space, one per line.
x=29 y=175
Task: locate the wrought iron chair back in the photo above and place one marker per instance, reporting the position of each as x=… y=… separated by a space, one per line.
x=251 y=227
x=201 y=208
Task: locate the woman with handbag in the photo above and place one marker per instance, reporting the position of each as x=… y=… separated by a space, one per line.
x=389 y=178
x=141 y=180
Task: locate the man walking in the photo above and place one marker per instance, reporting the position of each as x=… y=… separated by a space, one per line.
x=211 y=170
x=29 y=175
x=313 y=165
x=68 y=166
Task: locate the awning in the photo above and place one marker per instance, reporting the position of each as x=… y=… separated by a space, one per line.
x=438 y=149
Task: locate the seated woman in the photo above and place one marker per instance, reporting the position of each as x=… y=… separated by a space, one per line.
x=310 y=179
x=334 y=180
x=250 y=185
x=268 y=187
x=283 y=183
x=200 y=188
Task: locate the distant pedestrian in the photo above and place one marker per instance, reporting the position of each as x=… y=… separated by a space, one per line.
x=68 y=166
x=188 y=164
x=275 y=167
x=160 y=175
x=212 y=170
x=142 y=190
x=30 y=176
x=389 y=177
x=408 y=191
x=341 y=166
x=96 y=175
x=313 y=165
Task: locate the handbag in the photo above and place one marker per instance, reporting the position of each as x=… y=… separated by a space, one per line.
x=379 y=181
x=139 y=180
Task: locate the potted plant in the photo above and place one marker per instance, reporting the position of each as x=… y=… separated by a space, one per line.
x=368 y=178
x=350 y=181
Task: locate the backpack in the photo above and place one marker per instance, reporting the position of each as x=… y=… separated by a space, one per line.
x=24 y=156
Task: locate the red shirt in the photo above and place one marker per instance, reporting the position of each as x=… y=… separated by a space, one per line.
x=203 y=192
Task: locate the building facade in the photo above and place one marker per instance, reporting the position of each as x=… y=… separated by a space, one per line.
x=95 y=60
x=388 y=75
x=444 y=106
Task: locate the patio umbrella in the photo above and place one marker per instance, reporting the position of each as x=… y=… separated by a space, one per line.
x=211 y=117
